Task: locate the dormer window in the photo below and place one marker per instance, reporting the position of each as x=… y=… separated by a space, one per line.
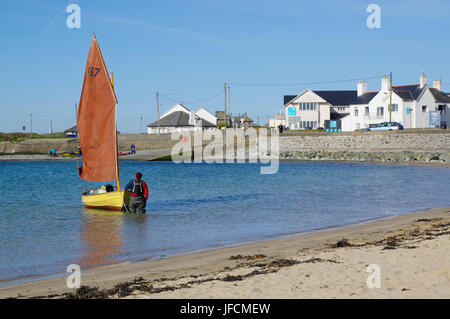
x=424 y=108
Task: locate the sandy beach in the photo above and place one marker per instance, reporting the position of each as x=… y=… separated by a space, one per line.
x=412 y=252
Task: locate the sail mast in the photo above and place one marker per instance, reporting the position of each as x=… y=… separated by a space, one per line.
x=117 y=142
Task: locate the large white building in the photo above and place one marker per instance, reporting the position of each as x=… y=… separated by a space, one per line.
x=412 y=105
x=314 y=109
x=179 y=119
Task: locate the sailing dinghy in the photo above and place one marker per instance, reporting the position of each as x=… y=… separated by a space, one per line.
x=97 y=130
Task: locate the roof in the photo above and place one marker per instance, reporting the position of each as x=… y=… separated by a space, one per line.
x=408 y=92
x=338 y=97
x=72 y=129
x=332 y=97
x=178 y=119
x=364 y=98
x=337 y=116
x=289 y=98
x=440 y=96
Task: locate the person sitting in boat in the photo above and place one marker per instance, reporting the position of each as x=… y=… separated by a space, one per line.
x=139 y=194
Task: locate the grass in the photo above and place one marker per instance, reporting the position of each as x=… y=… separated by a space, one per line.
x=19 y=137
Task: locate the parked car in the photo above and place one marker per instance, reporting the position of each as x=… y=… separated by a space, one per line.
x=386 y=126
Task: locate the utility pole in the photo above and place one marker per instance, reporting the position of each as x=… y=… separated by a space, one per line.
x=225 y=95
x=390 y=97
x=76 y=113
x=51 y=126
x=229 y=94
x=31 y=123
x=140 y=130
x=157 y=105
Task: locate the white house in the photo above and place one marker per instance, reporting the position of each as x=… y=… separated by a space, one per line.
x=414 y=106
x=411 y=106
x=180 y=119
x=314 y=109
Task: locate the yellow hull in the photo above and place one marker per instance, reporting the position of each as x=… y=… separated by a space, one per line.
x=110 y=200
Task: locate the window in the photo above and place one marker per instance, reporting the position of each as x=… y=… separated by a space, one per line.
x=380 y=111
x=356 y=111
x=366 y=110
x=394 y=107
x=310 y=106
x=441 y=108
x=308 y=124
x=294 y=119
x=341 y=108
x=424 y=108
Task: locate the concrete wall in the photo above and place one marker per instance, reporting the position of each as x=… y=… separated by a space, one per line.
x=43 y=146
x=408 y=140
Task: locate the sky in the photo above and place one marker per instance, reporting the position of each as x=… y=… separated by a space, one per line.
x=187 y=50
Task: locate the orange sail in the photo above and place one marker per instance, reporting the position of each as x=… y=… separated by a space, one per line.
x=97 y=121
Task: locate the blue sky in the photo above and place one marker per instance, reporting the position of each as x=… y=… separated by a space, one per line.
x=184 y=46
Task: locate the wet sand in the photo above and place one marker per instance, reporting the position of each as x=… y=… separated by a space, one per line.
x=411 y=250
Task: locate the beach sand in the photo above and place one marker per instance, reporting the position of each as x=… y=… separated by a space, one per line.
x=412 y=252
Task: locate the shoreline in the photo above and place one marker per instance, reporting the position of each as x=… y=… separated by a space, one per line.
x=217 y=261
x=155 y=155
x=14 y=281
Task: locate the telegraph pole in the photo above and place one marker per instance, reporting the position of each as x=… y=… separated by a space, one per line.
x=140 y=130
x=51 y=126
x=390 y=97
x=31 y=123
x=157 y=105
x=76 y=113
x=229 y=93
x=225 y=95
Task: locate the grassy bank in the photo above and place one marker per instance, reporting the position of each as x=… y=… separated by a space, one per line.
x=20 y=137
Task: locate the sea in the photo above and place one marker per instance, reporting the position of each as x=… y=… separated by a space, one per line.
x=44 y=226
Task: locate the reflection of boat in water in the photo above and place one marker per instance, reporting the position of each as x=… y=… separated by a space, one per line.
x=97 y=131
x=102 y=237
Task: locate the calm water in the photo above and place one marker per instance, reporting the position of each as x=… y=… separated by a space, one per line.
x=44 y=228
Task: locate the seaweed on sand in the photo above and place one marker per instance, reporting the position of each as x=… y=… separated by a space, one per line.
x=341 y=243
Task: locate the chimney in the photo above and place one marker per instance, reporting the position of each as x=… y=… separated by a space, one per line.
x=193 y=118
x=362 y=88
x=437 y=85
x=423 y=80
x=385 y=84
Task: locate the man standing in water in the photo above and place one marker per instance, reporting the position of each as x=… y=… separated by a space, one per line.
x=139 y=194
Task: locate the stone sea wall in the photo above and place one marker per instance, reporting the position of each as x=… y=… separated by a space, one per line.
x=43 y=146
x=426 y=140
x=396 y=146
x=372 y=156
